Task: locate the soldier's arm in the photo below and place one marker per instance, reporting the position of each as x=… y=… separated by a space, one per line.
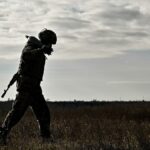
x=36 y=53
x=32 y=54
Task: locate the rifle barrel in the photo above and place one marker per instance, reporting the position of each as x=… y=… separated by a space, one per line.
x=4 y=93
x=12 y=81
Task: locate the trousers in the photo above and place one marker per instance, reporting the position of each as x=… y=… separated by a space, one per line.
x=37 y=102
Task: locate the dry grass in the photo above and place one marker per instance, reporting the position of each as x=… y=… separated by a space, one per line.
x=102 y=126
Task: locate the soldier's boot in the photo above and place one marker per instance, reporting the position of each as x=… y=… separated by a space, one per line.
x=46 y=135
x=48 y=140
x=3 y=136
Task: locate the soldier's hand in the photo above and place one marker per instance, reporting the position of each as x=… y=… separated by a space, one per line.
x=47 y=49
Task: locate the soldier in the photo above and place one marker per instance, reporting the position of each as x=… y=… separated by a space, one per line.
x=29 y=77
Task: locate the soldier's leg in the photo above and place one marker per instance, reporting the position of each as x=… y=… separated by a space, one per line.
x=18 y=109
x=42 y=113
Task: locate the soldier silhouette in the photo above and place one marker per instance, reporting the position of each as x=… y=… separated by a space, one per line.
x=28 y=78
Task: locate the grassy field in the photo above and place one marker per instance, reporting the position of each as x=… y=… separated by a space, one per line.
x=85 y=126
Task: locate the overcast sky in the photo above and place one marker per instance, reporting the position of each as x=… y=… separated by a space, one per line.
x=103 y=49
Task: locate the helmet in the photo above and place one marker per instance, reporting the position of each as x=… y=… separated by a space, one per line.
x=47 y=36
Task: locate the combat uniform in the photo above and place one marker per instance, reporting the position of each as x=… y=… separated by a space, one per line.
x=30 y=74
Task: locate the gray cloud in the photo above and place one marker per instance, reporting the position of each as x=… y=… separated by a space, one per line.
x=69 y=23
x=121 y=13
x=109 y=27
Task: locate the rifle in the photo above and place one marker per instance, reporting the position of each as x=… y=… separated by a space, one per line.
x=12 y=81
